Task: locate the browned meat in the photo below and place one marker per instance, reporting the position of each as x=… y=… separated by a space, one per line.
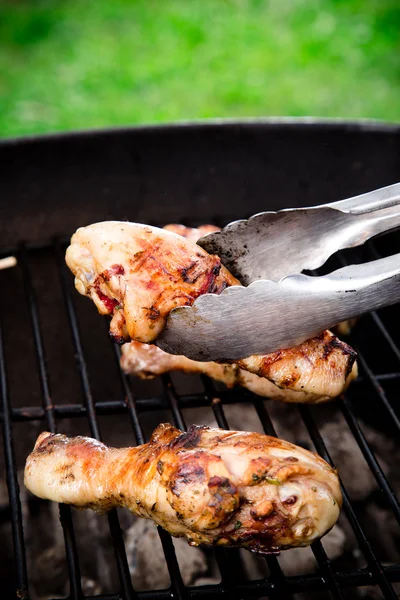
x=323 y=363
x=148 y=361
x=138 y=274
x=211 y=486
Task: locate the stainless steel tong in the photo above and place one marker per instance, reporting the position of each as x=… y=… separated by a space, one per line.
x=278 y=307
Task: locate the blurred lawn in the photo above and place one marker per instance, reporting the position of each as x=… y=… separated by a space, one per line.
x=75 y=64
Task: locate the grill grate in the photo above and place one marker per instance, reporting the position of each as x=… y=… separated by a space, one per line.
x=337 y=583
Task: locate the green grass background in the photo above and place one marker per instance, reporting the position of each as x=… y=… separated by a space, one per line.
x=81 y=64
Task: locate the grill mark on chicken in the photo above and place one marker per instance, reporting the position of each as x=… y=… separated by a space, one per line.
x=187 y=473
x=210 y=284
x=191 y=277
x=206 y=493
x=188 y=439
x=335 y=343
x=138 y=260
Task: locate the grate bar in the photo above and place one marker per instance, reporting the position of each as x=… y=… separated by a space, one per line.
x=230 y=565
x=177 y=585
x=128 y=592
x=108 y=407
x=178 y=589
x=258 y=588
x=179 y=421
x=317 y=548
x=48 y=410
x=38 y=343
x=385 y=377
x=379 y=323
x=379 y=390
x=384 y=332
x=277 y=575
x=373 y=562
x=376 y=318
x=71 y=551
x=173 y=402
x=369 y=456
x=130 y=400
x=68 y=411
x=12 y=483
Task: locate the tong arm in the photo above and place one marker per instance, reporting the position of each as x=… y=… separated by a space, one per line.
x=272 y=245
x=267 y=316
x=375 y=200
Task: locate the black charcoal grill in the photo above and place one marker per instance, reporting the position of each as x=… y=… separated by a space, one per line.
x=58 y=370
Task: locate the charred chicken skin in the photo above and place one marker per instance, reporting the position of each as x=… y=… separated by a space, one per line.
x=211 y=486
x=137 y=274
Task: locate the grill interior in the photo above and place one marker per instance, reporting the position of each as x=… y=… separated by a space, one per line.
x=59 y=372
x=90 y=395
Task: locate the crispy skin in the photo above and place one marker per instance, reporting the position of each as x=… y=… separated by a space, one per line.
x=147 y=361
x=211 y=486
x=138 y=274
x=321 y=363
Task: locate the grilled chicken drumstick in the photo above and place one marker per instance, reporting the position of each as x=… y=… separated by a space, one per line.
x=138 y=274
x=147 y=361
x=212 y=486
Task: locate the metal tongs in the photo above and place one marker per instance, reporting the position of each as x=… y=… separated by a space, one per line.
x=280 y=307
